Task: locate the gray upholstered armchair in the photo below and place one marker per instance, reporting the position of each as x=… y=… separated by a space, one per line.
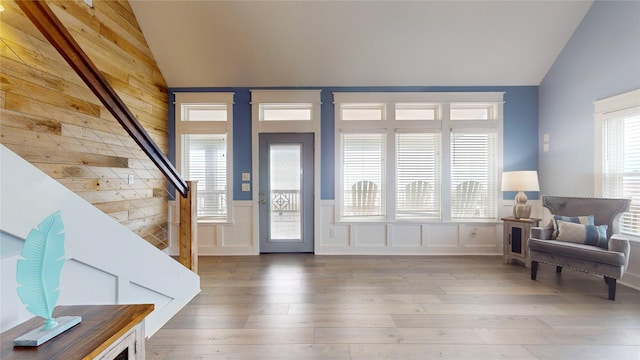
x=577 y=239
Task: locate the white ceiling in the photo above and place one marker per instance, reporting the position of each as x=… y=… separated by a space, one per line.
x=356 y=43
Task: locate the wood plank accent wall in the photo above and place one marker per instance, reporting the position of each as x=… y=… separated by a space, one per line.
x=52 y=119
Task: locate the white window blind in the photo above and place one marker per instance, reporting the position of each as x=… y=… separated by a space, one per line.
x=418 y=176
x=204 y=158
x=474 y=176
x=621 y=165
x=363 y=186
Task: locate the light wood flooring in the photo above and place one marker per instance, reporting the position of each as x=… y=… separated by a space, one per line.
x=301 y=306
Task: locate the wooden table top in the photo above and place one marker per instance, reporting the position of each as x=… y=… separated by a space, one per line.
x=101 y=326
x=522 y=220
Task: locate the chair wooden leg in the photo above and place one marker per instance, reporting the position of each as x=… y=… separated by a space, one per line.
x=534 y=269
x=558 y=269
x=612 y=287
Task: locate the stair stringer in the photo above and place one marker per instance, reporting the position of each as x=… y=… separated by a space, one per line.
x=106 y=262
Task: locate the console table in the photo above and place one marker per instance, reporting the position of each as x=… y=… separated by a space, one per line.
x=106 y=332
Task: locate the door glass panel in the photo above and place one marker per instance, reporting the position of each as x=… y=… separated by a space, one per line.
x=286 y=183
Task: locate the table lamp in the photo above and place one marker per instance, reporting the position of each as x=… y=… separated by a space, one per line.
x=520 y=181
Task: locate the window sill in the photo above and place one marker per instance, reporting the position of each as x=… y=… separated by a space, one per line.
x=632 y=238
x=214 y=222
x=418 y=222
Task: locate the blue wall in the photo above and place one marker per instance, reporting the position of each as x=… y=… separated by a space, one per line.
x=520 y=130
x=601 y=59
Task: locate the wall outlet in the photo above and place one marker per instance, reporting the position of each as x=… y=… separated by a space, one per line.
x=246 y=187
x=246 y=176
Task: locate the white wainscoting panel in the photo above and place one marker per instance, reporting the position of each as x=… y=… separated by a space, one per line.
x=442 y=238
x=479 y=237
x=74 y=279
x=405 y=238
x=240 y=235
x=233 y=238
x=632 y=277
x=369 y=235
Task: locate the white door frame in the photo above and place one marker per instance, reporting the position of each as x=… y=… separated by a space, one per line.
x=285 y=97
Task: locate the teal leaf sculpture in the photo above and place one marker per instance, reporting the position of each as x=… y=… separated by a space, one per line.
x=39 y=272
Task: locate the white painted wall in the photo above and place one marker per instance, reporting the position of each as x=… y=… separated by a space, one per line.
x=106 y=262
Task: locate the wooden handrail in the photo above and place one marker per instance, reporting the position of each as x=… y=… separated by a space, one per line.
x=50 y=26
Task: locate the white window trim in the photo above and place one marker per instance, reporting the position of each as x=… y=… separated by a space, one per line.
x=285 y=97
x=615 y=106
x=207 y=127
x=389 y=125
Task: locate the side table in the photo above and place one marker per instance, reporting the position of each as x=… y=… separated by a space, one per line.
x=516 y=233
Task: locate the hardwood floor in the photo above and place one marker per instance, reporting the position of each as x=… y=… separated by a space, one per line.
x=301 y=306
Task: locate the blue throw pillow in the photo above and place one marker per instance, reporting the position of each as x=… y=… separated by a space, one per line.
x=585 y=220
x=583 y=234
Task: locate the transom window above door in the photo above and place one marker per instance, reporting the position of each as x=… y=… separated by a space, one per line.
x=286 y=112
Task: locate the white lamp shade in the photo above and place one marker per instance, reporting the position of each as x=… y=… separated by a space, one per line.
x=520 y=181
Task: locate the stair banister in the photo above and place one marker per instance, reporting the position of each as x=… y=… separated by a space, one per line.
x=50 y=26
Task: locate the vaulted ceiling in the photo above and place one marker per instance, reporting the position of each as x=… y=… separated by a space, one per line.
x=356 y=43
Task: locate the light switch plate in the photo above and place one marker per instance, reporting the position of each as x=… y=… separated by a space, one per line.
x=246 y=177
x=246 y=187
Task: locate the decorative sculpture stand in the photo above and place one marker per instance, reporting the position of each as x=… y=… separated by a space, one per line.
x=38 y=276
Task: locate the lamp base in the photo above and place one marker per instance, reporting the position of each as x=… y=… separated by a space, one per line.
x=520 y=208
x=521 y=211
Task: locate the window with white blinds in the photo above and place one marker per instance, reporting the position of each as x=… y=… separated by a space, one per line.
x=418 y=156
x=204 y=158
x=363 y=175
x=474 y=174
x=619 y=122
x=418 y=176
x=203 y=125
